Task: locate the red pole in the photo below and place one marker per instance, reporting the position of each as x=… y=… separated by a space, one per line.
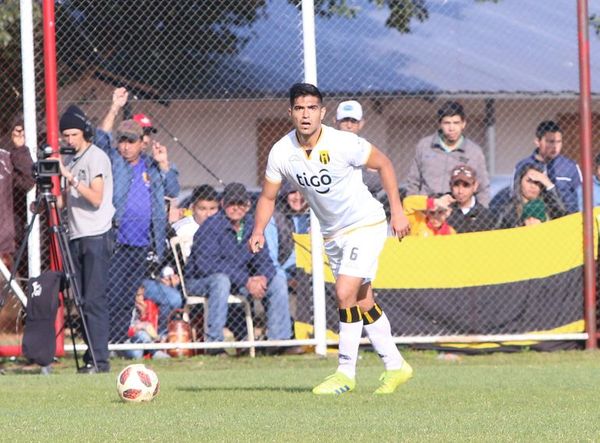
x=586 y=163
x=52 y=140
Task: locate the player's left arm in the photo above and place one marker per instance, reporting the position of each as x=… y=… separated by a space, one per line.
x=382 y=164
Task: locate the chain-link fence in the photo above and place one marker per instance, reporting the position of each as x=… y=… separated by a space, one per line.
x=211 y=80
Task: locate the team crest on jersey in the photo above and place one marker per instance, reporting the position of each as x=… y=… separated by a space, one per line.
x=324 y=157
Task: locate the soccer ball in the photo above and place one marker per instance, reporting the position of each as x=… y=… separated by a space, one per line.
x=137 y=383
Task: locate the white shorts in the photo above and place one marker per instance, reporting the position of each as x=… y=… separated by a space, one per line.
x=356 y=252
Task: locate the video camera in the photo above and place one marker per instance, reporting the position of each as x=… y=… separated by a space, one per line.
x=46 y=168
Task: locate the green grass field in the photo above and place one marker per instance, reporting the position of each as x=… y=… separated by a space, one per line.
x=503 y=397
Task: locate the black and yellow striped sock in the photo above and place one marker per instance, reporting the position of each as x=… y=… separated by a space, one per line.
x=372 y=315
x=350 y=315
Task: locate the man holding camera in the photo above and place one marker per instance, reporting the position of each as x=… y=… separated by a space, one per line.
x=88 y=197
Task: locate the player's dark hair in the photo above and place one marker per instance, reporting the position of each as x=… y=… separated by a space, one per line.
x=303 y=90
x=597 y=160
x=545 y=127
x=204 y=192
x=450 y=109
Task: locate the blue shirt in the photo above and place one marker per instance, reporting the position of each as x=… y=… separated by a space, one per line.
x=217 y=248
x=595 y=194
x=134 y=227
x=161 y=184
x=301 y=225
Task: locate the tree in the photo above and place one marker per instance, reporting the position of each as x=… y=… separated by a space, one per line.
x=153 y=43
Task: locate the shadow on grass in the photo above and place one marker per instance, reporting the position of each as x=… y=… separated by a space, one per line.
x=292 y=390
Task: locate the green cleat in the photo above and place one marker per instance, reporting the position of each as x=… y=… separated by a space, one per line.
x=335 y=384
x=392 y=379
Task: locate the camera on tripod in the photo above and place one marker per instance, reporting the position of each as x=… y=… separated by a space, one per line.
x=46 y=168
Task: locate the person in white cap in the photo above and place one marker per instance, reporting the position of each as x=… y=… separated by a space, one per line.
x=349 y=118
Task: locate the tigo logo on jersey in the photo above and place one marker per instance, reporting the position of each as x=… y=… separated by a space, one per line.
x=324 y=157
x=320 y=182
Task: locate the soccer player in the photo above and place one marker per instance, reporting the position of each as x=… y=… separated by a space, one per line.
x=324 y=165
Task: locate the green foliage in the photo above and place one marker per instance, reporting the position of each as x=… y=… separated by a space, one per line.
x=595 y=23
x=502 y=397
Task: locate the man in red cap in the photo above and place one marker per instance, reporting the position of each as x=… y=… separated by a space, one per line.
x=147 y=127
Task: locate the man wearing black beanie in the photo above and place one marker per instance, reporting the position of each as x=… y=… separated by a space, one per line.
x=88 y=195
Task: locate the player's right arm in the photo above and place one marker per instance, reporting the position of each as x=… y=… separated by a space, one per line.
x=264 y=211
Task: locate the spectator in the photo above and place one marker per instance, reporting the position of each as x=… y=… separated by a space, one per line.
x=438 y=154
x=205 y=203
x=428 y=215
x=349 y=117
x=147 y=127
x=595 y=186
x=163 y=291
x=291 y=216
x=468 y=215
x=15 y=180
x=142 y=182
x=561 y=171
x=532 y=184
x=143 y=327
x=220 y=263
x=89 y=194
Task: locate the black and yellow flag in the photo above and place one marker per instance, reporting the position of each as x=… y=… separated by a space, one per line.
x=508 y=281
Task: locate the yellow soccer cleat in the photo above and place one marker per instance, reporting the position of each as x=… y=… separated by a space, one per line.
x=390 y=380
x=335 y=384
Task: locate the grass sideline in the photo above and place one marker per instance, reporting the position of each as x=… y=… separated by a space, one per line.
x=502 y=397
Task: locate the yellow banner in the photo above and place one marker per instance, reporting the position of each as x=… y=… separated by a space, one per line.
x=473 y=259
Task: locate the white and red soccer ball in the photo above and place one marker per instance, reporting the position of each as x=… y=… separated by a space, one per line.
x=137 y=383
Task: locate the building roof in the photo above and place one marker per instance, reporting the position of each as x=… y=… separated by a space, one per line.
x=464 y=46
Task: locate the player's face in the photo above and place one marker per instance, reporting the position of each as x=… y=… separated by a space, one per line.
x=462 y=191
x=307 y=114
x=530 y=188
x=296 y=202
x=452 y=128
x=203 y=209
x=550 y=145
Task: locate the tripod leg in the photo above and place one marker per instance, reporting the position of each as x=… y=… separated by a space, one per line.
x=10 y=280
x=61 y=240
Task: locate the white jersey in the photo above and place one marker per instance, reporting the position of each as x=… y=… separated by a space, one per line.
x=330 y=178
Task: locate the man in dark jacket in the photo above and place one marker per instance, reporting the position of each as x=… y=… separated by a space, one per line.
x=221 y=264
x=468 y=215
x=561 y=171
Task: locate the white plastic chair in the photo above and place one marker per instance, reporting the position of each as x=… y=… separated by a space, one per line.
x=177 y=244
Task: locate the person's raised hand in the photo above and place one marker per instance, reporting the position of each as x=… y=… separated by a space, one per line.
x=120 y=97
